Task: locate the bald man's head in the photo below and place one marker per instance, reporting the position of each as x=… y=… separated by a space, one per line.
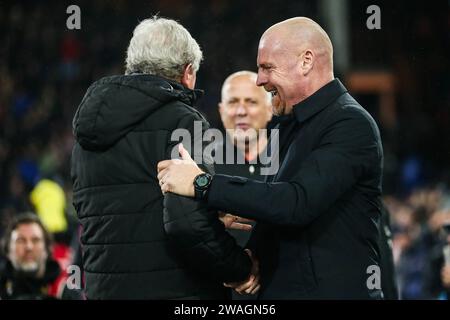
x=295 y=59
x=301 y=33
x=248 y=76
x=244 y=106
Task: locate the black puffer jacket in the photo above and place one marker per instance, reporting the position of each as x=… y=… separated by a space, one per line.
x=123 y=128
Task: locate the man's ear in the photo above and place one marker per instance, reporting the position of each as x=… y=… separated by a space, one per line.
x=189 y=76
x=307 y=60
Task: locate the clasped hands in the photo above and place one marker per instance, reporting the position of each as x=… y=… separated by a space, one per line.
x=251 y=284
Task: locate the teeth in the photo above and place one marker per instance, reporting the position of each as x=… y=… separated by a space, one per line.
x=273 y=93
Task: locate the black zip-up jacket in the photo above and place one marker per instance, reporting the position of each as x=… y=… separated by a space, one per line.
x=138 y=244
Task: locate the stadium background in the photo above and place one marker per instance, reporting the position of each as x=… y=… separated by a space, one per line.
x=400 y=73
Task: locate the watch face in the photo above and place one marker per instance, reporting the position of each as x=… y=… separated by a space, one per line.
x=202 y=181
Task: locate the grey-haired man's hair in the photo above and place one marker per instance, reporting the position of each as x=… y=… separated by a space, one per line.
x=162 y=47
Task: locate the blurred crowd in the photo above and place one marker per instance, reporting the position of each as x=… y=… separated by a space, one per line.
x=419 y=238
x=45 y=70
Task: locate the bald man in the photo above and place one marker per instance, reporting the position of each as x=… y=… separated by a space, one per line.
x=317 y=230
x=245 y=109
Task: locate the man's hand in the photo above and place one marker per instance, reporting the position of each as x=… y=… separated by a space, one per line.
x=445 y=276
x=177 y=176
x=251 y=285
x=234 y=222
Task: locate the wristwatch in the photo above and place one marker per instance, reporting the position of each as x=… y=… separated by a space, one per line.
x=201 y=185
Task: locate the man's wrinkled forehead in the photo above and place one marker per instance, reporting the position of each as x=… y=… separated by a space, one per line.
x=243 y=84
x=271 y=40
x=274 y=44
x=237 y=80
x=27 y=230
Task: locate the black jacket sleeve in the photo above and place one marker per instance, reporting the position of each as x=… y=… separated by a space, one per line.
x=348 y=149
x=199 y=235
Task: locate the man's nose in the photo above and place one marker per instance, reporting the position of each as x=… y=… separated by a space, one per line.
x=29 y=245
x=261 y=79
x=241 y=110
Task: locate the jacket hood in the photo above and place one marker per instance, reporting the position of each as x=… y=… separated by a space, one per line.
x=113 y=106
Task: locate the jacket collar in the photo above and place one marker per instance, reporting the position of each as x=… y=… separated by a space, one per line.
x=183 y=93
x=318 y=100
